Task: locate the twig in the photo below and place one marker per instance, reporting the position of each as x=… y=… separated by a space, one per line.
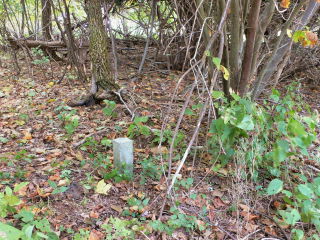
x=186 y=153
x=247 y=237
x=124 y=103
x=226 y=232
x=144 y=235
x=264 y=215
x=313 y=168
x=153 y=11
x=270 y=239
x=77 y=144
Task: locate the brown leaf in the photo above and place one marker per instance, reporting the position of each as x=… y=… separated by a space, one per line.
x=312 y=37
x=116 y=208
x=211 y=214
x=157 y=150
x=251 y=227
x=94 y=214
x=270 y=230
x=217 y=193
x=248 y=216
x=27 y=135
x=55 y=177
x=22 y=191
x=285 y=3
x=218 y=203
x=244 y=207
x=96 y=235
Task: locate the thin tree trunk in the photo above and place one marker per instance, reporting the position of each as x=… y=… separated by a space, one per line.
x=249 y=51
x=235 y=43
x=282 y=49
x=145 y=53
x=72 y=48
x=262 y=27
x=46 y=19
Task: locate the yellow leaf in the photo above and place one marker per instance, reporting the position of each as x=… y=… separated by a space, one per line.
x=285 y=3
x=103 y=188
x=226 y=74
x=27 y=136
x=50 y=84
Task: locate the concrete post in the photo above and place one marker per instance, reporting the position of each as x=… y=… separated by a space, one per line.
x=123 y=156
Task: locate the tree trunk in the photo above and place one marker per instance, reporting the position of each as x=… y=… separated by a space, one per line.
x=98 y=47
x=249 y=51
x=102 y=77
x=46 y=19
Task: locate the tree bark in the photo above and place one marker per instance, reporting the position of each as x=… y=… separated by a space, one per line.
x=249 y=51
x=98 y=47
x=46 y=19
x=102 y=77
x=283 y=46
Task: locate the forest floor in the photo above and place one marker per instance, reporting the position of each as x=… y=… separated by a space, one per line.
x=63 y=174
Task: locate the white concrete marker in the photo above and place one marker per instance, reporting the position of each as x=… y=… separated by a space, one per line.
x=123 y=156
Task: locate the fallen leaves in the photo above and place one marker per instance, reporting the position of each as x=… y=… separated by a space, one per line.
x=103 y=188
x=285 y=3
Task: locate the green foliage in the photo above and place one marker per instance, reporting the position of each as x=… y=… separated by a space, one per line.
x=167 y=137
x=302 y=203
x=268 y=137
x=138 y=127
x=109 y=109
x=275 y=186
x=69 y=118
x=185 y=183
x=41 y=59
x=8 y=201
x=176 y=220
x=150 y=169
x=122 y=229
x=56 y=188
x=23 y=156
x=30 y=227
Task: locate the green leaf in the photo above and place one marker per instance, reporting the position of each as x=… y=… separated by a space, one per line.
x=9 y=232
x=217 y=94
x=275 y=186
x=20 y=186
x=217 y=62
x=246 y=123
x=298 y=35
x=145 y=130
x=26 y=216
x=4 y=140
x=188 y=112
x=60 y=190
x=106 y=142
x=32 y=93
x=235 y=96
x=290 y=217
x=143 y=119
x=296 y=128
x=297 y=234
x=28 y=231
x=305 y=190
